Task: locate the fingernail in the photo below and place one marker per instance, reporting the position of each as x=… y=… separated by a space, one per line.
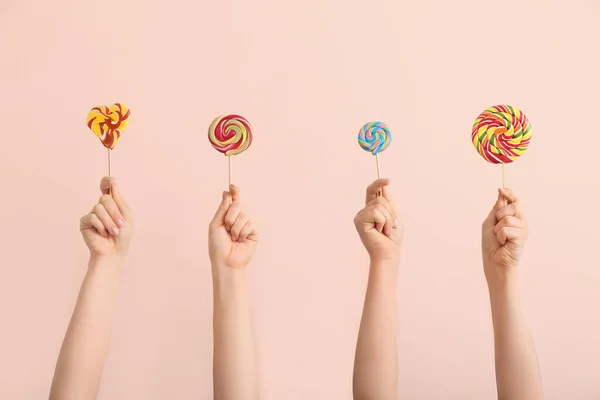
x=396 y=222
x=120 y=223
x=224 y=195
x=115 y=231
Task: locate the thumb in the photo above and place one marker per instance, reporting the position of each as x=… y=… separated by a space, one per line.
x=219 y=217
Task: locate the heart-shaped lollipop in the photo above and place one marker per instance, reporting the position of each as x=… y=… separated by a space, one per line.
x=108 y=123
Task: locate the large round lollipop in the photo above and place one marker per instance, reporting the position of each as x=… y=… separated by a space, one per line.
x=230 y=134
x=108 y=123
x=375 y=137
x=501 y=134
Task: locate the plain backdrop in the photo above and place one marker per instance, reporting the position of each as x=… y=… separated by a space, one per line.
x=307 y=74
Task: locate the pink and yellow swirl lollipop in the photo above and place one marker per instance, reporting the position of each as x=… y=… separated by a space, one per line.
x=230 y=134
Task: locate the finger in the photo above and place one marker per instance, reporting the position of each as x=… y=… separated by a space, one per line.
x=509 y=195
x=105 y=184
x=219 y=218
x=120 y=201
x=388 y=225
x=389 y=207
x=107 y=221
x=237 y=226
x=386 y=192
x=92 y=221
x=508 y=234
x=232 y=213
x=246 y=231
x=113 y=210
x=374 y=187
x=510 y=222
x=235 y=193
x=510 y=210
x=376 y=217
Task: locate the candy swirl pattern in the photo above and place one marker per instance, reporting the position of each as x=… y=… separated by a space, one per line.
x=374 y=137
x=501 y=134
x=230 y=134
x=108 y=123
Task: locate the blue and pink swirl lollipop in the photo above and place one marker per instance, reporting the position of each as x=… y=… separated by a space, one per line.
x=375 y=137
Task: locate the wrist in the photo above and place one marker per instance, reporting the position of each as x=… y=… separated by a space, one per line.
x=227 y=281
x=500 y=281
x=385 y=263
x=222 y=274
x=107 y=262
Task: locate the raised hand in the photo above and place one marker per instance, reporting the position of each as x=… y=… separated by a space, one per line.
x=108 y=227
x=378 y=224
x=106 y=231
x=504 y=233
x=232 y=236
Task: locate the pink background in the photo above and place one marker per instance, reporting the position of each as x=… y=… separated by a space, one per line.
x=307 y=74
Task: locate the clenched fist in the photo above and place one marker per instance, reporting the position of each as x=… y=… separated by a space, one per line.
x=378 y=224
x=232 y=239
x=108 y=227
x=504 y=233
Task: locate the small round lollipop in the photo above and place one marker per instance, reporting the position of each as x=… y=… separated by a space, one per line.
x=501 y=134
x=375 y=137
x=108 y=123
x=230 y=134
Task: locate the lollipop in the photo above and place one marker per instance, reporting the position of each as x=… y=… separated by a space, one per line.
x=375 y=137
x=501 y=134
x=230 y=134
x=108 y=123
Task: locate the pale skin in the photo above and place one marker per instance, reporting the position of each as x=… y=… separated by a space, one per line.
x=232 y=244
x=107 y=232
x=503 y=238
x=504 y=233
x=380 y=229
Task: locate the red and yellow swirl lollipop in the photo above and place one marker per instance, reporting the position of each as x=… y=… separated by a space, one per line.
x=230 y=134
x=108 y=123
x=501 y=134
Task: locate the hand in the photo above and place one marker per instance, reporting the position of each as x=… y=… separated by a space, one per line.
x=379 y=225
x=107 y=228
x=232 y=239
x=503 y=236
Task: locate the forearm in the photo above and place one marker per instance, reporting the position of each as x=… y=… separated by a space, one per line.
x=85 y=347
x=235 y=375
x=375 y=363
x=517 y=370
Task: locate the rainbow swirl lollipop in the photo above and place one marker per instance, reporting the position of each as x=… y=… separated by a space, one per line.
x=230 y=134
x=108 y=123
x=374 y=137
x=501 y=134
